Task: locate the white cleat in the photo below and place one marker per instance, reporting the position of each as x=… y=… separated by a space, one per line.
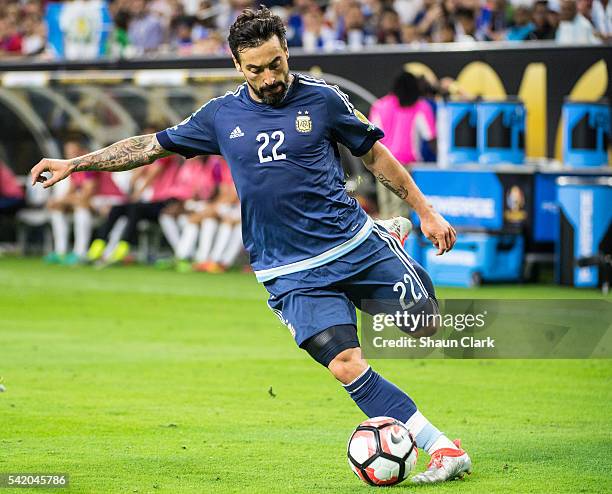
x=446 y=464
x=399 y=227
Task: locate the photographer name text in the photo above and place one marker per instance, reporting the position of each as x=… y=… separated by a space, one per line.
x=408 y=342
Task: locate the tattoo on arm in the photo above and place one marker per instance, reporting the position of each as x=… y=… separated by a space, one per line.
x=400 y=191
x=123 y=155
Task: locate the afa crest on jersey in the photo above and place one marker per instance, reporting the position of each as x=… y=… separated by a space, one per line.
x=303 y=123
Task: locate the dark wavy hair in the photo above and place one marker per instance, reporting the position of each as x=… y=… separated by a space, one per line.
x=406 y=88
x=254 y=28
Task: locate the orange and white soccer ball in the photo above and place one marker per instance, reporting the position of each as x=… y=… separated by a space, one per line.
x=382 y=452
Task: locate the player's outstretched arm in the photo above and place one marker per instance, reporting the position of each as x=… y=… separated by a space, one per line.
x=396 y=178
x=123 y=155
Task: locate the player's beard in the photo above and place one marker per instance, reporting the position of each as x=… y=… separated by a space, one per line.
x=271 y=95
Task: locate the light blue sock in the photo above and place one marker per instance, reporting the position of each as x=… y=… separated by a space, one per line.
x=425 y=434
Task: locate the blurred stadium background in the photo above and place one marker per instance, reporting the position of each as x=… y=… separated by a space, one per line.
x=110 y=374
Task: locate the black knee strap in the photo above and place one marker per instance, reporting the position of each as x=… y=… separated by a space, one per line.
x=326 y=345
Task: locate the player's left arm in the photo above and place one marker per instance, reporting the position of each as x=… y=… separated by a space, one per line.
x=388 y=171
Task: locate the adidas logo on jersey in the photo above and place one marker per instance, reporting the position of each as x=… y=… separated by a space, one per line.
x=236 y=133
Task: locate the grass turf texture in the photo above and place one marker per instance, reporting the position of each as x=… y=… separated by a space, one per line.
x=136 y=380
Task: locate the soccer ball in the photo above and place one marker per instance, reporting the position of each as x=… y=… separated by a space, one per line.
x=381 y=451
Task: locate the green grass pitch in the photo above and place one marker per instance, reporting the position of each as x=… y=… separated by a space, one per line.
x=134 y=380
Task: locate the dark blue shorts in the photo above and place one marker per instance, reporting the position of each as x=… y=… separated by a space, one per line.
x=377 y=277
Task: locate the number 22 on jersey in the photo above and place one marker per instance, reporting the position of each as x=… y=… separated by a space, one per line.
x=263 y=152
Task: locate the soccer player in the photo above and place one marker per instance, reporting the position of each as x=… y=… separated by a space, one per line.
x=147 y=202
x=315 y=250
x=75 y=198
x=216 y=255
x=211 y=214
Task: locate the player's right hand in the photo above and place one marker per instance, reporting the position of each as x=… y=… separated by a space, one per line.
x=439 y=232
x=60 y=169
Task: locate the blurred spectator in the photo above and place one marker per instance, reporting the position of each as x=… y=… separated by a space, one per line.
x=335 y=15
x=296 y=19
x=601 y=16
x=166 y=11
x=93 y=193
x=542 y=29
x=407 y=10
x=574 y=27
x=204 y=22
x=522 y=27
x=494 y=20
x=410 y=35
x=10 y=38
x=389 y=28
x=194 y=187
x=199 y=27
x=553 y=14
x=182 y=41
x=355 y=33
x=373 y=11
x=425 y=19
x=316 y=35
x=145 y=29
x=228 y=240
x=207 y=217
x=148 y=199
x=118 y=41
x=34 y=35
x=229 y=12
x=407 y=120
x=214 y=44
x=466 y=26
x=584 y=8
x=446 y=33
x=71 y=199
x=220 y=240
x=192 y=7
x=11 y=192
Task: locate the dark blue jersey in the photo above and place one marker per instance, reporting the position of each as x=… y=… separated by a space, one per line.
x=296 y=213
